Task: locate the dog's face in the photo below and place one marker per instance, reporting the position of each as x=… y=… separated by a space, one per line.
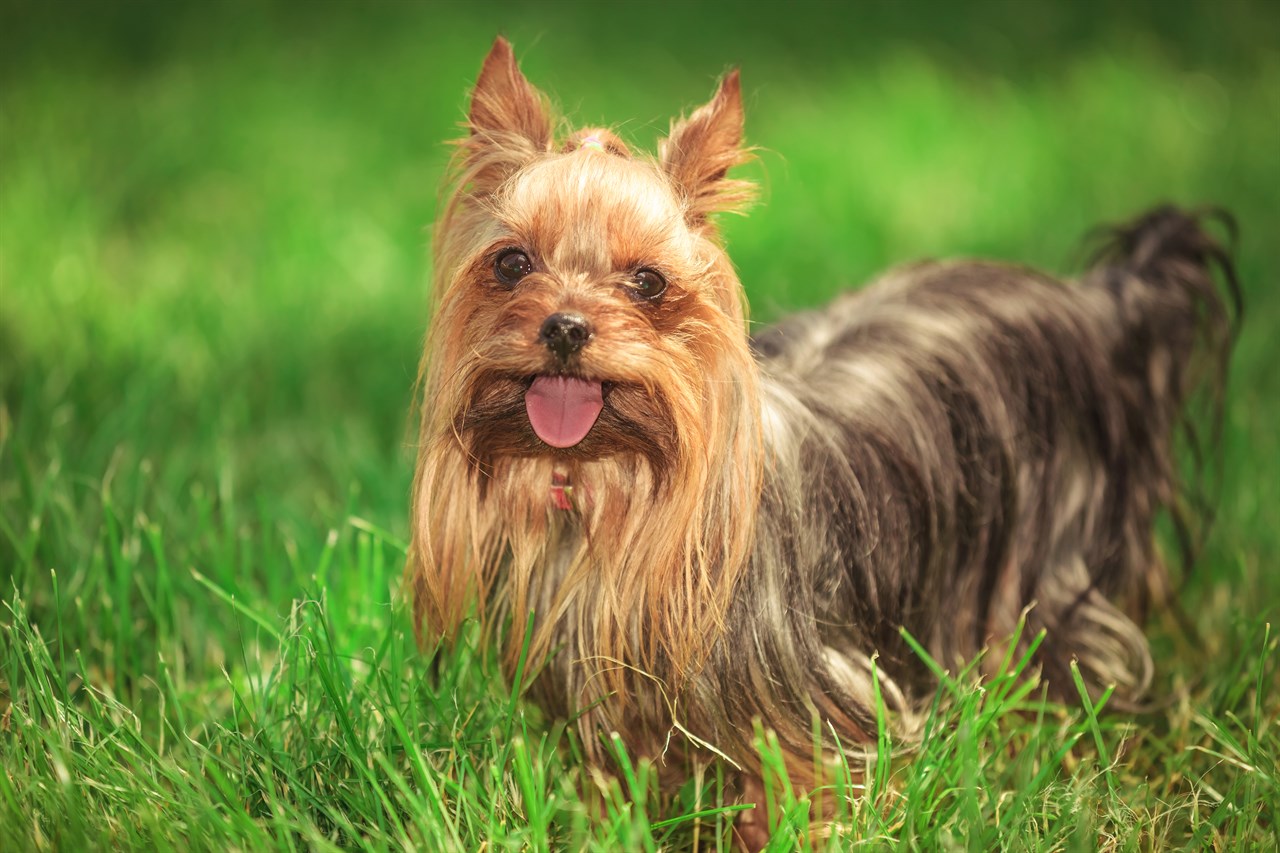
x=584 y=299
x=582 y=307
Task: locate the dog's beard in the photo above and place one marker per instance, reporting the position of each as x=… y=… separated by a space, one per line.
x=625 y=544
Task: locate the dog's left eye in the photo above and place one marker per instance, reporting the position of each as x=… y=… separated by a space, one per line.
x=648 y=284
x=511 y=266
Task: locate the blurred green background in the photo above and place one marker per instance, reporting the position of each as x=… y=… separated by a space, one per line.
x=213 y=219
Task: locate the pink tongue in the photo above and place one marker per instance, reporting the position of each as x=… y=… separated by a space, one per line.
x=563 y=409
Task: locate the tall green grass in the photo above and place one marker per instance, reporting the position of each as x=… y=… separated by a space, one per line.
x=212 y=268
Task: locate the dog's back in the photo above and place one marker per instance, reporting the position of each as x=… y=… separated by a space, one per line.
x=961 y=440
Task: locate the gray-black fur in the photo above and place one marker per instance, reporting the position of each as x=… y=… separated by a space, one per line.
x=951 y=445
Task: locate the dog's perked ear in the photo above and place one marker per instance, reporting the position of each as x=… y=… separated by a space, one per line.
x=701 y=149
x=509 y=119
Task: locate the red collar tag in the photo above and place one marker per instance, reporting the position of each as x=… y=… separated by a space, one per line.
x=561 y=491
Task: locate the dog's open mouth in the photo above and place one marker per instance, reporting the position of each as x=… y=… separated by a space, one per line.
x=562 y=409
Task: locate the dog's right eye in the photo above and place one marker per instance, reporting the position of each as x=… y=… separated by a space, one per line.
x=511 y=266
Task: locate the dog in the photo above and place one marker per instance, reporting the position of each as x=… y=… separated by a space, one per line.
x=679 y=532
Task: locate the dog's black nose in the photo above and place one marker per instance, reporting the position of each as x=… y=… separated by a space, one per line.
x=565 y=333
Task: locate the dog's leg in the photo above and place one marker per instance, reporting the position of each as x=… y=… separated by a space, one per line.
x=751 y=828
x=1082 y=625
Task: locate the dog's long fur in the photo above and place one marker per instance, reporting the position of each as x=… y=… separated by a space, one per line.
x=752 y=521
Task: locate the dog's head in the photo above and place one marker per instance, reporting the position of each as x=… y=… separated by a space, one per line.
x=583 y=301
x=588 y=333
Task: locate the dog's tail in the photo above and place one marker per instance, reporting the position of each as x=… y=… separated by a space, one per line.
x=1167 y=290
x=1174 y=284
x=1163 y=269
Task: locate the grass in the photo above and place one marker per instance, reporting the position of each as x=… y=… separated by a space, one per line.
x=211 y=302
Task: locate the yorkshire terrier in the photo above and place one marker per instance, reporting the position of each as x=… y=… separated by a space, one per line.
x=683 y=532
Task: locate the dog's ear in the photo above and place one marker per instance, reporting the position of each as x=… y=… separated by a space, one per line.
x=505 y=103
x=509 y=119
x=701 y=149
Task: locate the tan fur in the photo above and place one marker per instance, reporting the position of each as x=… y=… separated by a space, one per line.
x=656 y=562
